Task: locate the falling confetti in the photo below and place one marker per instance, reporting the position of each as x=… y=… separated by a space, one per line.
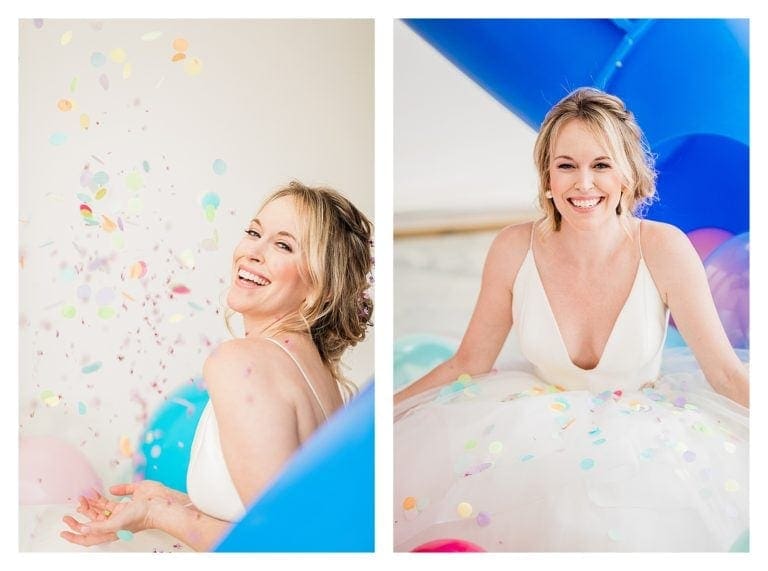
x=145 y=166
x=126 y=446
x=731 y=486
x=689 y=456
x=66 y=37
x=151 y=36
x=91 y=368
x=73 y=85
x=193 y=67
x=106 y=312
x=138 y=270
x=107 y=224
x=155 y=451
x=180 y=45
x=104 y=81
x=118 y=55
x=587 y=464
x=409 y=503
x=58 y=139
x=64 y=105
x=210 y=203
x=68 y=311
x=105 y=296
x=180 y=289
x=464 y=509
x=178 y=57
x=526 y=457
x=81 y=408
x=219 y=167
x=187 y=259
x=38 y=22
x=124 y=535
x=483 y=519
x=175 y=318
x=49 y=398
x=495 y=447
x=127 y=70
x=84 y=292
x=134 y=181
x=100 y=193
x=98 y=59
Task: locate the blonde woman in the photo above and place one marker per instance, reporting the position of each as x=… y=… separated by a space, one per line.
x=300 y=279
x=593 y=451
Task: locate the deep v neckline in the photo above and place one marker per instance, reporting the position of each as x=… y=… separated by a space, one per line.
x=619 y=315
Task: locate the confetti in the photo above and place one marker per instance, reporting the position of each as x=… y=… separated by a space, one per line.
x=193 y=67
x=219 y=167
x=104 y=81
x=127 y=70
x=151 y=36
x=483 y=519
x=187 y=259
x=138 y=270
x=731 y=486
x=689 y=456
x=118 y=55
x=126 y=446
x=180 y=45
x=134 y=181
x=178 y=57
x=107 y=224
x=101 y=193
x=145 y=166
x=81 y=408
x=64 y=105
x=526 y=457
x=84 y=292
x=68 y=311
x=73 y=85
x=38 y=22
x=106 y=312
x=58 y=139
x=91 y=368
x=155 y=451
x=85 y=121
x=495 y=447
x=599 y=441
x=587 y=464
x=175 y=318
x=124 y=535
x=105 y=296
x=470 y=444
x=99 y=179
x=409 y=503
x=98 y=59
x=180 y=289
x=464 y=509
x=49 y=398
x=66 y=37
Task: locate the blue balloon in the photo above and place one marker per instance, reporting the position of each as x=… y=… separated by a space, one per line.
x=416 y=355
x=699 y=117
x=323 y=500
x=166 y=443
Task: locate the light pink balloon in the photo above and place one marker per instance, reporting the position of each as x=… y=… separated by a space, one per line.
x=705 y=240
x=52 y=471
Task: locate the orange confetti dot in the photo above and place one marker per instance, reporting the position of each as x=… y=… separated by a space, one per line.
x=178 y=57
x=180 y=44
x=107 y=224
x=126 y=447
x=409 y=503
x=64 y=105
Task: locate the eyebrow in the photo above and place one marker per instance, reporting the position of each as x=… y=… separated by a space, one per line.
x=280 y=233
x=600 y=158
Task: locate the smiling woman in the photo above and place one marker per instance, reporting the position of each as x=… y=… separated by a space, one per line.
x=300 y=280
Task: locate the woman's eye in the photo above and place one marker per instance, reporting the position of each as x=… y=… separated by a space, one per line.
x=565 y=166
x=602 y=166
x=285 y=246
x=253 y=233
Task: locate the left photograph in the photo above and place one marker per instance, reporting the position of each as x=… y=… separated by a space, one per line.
x=196 y=278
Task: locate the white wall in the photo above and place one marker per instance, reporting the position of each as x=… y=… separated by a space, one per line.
x=275 y=100
x=456 y=148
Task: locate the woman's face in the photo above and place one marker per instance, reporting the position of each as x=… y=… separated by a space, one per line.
x=267 y=266
x=584 y=179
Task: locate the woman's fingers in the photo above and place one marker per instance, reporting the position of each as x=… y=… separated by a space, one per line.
x=122 y=489
x=86 y=534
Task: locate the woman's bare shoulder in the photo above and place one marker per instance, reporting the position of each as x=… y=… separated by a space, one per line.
x=238 y=361
x=508 y=251
x=664 y=243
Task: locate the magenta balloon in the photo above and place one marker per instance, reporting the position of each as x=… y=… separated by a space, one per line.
x=728 y=274
x=52 y=471
x=447 y=545
x=705 y=240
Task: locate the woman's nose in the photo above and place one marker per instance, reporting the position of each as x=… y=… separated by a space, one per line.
x=584 y=180
x=256 y=250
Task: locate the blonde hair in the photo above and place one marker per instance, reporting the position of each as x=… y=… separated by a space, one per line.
x=336 y=249
x=615 y=127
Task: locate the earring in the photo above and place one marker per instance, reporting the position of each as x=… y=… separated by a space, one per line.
x=548 y=194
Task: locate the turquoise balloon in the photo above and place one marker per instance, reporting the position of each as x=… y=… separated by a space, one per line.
x=166 y=443
x=416 y=355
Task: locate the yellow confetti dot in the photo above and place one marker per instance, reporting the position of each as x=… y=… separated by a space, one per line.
x=64 y=105
x=100 y=193
x=127 y=70
x=151 y=36
x=138 y=270
x=126 y=446
x=85 y=121
x=731 y=486
x=118 y=55
x=495 y=447
x=66 y=37
x=176 y=317
x=193 y=67
x=50 y=398
x=409 y=503
x=180 y=44
x=557 y=407
x=118 y=240
x=464 y=509
x=464 y=377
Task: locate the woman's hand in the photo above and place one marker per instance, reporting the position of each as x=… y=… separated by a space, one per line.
x=106 y=518
x=147 y=489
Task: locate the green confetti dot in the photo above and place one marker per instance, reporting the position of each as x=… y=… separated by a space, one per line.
x=106 y=312
x=125 y=535
x=210 y=213
x=470 y=444
x=134 y=181
x=68 y=311
x=495 y=447
x=145 y=165
x=92 y=367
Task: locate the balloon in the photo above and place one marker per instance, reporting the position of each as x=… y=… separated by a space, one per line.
x=416 y=355
x=728 y=274
x=52 y=471
x=705 y=240
x=323 y=500
x=167 y=441
x=447 y=545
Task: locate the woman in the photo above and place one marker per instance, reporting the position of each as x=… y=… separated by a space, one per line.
x=594 y=451
x=300 y=277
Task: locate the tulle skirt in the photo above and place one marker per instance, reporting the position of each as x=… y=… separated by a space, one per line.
x=511 y=463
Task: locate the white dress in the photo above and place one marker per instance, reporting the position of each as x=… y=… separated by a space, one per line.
x=567 y=459
x=209 y=483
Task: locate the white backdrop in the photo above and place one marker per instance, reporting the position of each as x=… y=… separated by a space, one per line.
x=252 y=105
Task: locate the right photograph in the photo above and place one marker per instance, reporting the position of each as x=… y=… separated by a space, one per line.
x=571 y=285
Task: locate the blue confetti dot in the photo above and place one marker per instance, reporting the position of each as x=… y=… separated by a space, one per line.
x=219 y=167
x=58 y=139
x=98 y=59
x=587 y=464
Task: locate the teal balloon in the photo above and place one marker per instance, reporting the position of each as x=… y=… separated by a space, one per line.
x=674 y=339
x=416 y=355
x=166 y=443
x=741 y=545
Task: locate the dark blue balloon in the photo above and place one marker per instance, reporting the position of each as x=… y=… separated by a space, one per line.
x=166 y=442
x=323 y=500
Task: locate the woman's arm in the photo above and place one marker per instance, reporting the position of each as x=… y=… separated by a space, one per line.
x=682 y=281
x=492 y=316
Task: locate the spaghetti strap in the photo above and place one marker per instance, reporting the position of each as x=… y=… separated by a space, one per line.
x=640 y=239
x=306 y=378
x=530 y=243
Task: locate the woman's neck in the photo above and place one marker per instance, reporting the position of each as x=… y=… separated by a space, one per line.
x=590 y=247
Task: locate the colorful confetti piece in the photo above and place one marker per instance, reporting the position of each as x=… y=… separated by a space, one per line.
x=180 y=45
x=105 y=296
x=176 y=317
x=464 y=509
x=126 y=446
x=731 y=486
x=98 y=59
x=64 y=105
x=107 y=224
x=38 y=22
x=689 y=456
x=483 y=519
x=68 y=311
x=409 y=503
x=104 y=81
x=145 y=166
x=118 y=55
x=84 y=292
x=180 y=289
x=178 y=57
x=219 y=167
x=58 y=139
x=187 y=259
x=155 y=451
x=49 y=398
x=91 y=368
x=101 y=193
x=66 y=38
x=193 y=67
x=106 y=312
x=138 y=270
x=151 y=36
x=599 y=441
x=470 y=444
x=587 y=464
x=73 y=85
x=134 y=181
x=81 y=408
x=495 y=447
x=85 y=121
x=124 y=535
x=526 y=457
x=127 y=70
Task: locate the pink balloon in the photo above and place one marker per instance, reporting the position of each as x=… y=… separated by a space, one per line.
x=728 y=274
x=447 y=545
x=52 y=471
x=705 y=240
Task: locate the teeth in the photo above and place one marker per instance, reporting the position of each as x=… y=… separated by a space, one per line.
x=252 y=277
x=585 y=203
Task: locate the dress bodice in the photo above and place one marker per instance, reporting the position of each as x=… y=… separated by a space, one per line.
x=632 y=353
